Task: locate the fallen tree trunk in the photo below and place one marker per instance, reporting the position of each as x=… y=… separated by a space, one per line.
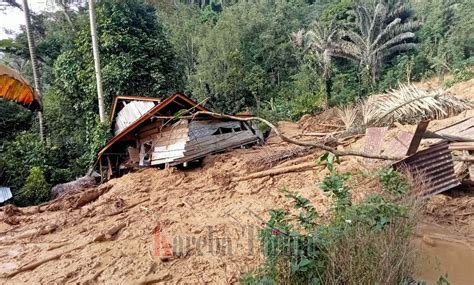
x=277 y=171
x=127 y=207
x=108 y=235
x=76 y=200
x=88 y=196
x=44 y=230
x=76 y=185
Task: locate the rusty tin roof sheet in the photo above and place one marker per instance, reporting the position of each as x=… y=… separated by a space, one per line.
x=434 y=164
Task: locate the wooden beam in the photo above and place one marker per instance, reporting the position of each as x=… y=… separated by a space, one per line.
x=419 y=133
x=461 y=146
x=109 y=172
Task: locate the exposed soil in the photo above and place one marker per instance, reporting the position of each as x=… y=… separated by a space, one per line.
x=210 y=214
x=201 y=203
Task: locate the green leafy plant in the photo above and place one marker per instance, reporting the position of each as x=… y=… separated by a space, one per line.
x=393 y=182
x=308 y=213
x=35 y=190
x=328 y=158
x=443 y=280
x=33 y=153
x=460 y=75
x=333 y=184
x=362 y=243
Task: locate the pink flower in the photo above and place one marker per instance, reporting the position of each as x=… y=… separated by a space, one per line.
x=275 y=232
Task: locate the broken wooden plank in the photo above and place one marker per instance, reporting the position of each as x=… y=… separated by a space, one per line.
x=134 y=154
x=458 y=128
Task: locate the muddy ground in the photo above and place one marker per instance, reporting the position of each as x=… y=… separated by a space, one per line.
x=210 y=214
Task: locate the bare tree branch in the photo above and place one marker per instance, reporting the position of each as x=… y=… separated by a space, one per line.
x=10 y=3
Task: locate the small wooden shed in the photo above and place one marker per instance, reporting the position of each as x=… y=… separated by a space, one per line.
x=148 y=133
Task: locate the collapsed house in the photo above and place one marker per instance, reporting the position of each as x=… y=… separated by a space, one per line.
x=151 y=132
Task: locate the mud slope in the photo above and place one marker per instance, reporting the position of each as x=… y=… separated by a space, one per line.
x=201 y=203
x=210 y=215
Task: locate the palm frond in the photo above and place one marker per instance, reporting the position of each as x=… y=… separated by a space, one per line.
x=378 y=31
x=354 y=37
x=369 y=109
x=397 y=48
x=348 y=51
x=397 y=11
x=395 y=40
x=297 y=38
x=348 y=115
x=409 y=26
x=377 y=20
x=391 y=26
x=410 y=104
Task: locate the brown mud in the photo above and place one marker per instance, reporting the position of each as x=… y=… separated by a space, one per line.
x=211 y=217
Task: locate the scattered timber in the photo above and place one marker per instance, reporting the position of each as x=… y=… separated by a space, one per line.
x=278 y=171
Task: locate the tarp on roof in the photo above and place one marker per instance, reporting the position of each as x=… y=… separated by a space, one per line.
x=5 y=194
x=14 y=87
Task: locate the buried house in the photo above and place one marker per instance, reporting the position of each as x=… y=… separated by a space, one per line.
x=151 y=132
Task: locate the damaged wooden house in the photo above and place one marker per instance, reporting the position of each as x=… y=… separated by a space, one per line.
x=151 y=132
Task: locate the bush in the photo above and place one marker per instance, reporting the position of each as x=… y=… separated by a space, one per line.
x=25 y=152
x=364 y=243
x=35 y=191
x=460 y=75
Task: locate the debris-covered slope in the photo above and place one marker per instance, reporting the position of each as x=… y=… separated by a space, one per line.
x=205 y=203
x=209 y=214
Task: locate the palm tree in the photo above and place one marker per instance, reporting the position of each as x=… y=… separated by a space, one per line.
x=323 y=42
x=34 y=62
x=376 y=35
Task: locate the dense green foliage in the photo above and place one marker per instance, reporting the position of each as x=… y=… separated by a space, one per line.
x=35 y=190
x=14 y=119
x=346 y=249
x=26 y=151
x=235 y=55
x=246 y=56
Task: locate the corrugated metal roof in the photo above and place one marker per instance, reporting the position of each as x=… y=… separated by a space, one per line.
x=5 y=194
x=434 y=164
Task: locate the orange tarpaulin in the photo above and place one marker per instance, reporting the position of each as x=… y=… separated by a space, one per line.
x=14 y=87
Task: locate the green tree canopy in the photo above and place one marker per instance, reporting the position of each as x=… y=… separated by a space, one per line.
x=136 y=57
x=247 y=55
